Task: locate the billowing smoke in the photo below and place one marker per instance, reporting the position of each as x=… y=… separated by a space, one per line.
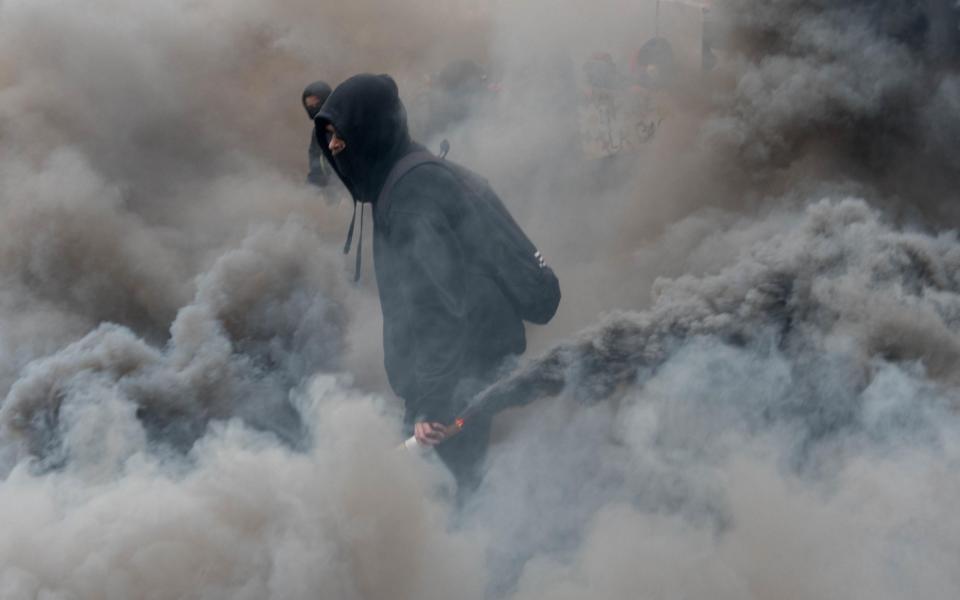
x=750 y=390
x=820 y=363
x=265 y=317
x=859 y=90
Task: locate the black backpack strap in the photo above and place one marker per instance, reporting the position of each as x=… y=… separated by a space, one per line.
x=404 y=165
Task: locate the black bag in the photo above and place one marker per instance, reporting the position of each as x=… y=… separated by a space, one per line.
x=508 y=256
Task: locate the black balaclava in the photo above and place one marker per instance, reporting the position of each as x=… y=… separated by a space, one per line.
x=368 y=115
x=321 y=90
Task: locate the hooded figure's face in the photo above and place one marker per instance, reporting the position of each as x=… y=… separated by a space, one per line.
x=312 y=105
x=366 y=113
x=335 y=143
x=313 y=97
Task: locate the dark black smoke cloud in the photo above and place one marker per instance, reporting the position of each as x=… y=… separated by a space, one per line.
x=862 y=90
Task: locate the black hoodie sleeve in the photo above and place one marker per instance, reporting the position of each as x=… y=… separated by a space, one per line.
x=433 y=290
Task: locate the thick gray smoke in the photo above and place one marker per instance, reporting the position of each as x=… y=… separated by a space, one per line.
x=266 y=316
x=750 y=390
x=825 y=353
x=861 y=90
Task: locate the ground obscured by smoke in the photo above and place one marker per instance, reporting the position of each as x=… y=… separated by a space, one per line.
x=756 y=351
x=239 y=517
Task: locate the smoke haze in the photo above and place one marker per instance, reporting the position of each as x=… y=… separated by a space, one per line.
x=756 y=353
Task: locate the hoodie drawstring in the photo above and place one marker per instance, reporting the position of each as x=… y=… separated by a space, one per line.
x=356 y=276
x=346 y=246
x=353 y=221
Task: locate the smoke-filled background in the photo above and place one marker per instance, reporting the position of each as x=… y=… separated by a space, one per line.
x=756 y=353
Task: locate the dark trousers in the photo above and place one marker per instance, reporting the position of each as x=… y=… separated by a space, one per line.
x=464 y=455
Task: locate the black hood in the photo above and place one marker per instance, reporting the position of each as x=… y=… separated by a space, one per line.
x=320 y=89
x=368 y=115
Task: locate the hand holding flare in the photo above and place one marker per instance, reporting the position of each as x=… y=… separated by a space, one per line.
x=428 y=435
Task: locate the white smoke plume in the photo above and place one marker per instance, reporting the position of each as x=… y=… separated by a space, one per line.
x=750 y=390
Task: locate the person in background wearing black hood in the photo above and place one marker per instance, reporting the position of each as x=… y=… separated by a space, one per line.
x=313 y=97
x=456 y=275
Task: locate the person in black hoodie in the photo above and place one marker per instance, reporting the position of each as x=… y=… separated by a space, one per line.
x=313 y=97
x=456 y=275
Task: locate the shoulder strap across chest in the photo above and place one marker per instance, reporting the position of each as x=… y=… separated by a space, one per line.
x=403 y=166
